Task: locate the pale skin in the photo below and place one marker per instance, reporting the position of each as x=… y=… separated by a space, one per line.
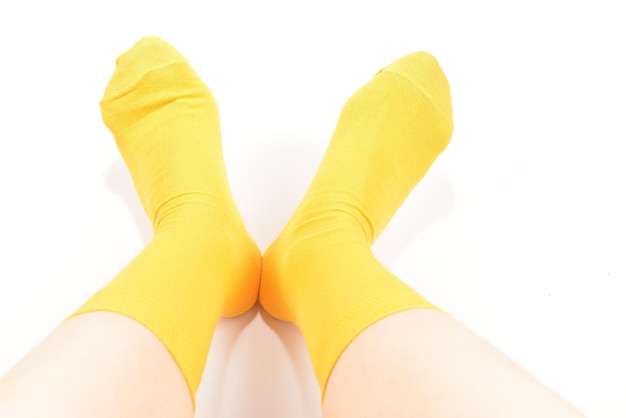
x=417 y=363
x=423 y=363
x=98 y=365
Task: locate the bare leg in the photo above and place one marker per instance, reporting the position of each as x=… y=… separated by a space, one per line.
x=423 y=363
x=98 y=364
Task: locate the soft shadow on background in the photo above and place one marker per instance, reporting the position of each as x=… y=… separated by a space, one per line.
x=118 y=180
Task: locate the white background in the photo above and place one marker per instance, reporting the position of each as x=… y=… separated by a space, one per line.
x=518 y=230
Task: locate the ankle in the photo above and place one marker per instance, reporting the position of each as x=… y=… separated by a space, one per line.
x=331 y=214
x=192 y=210
x=316 y=238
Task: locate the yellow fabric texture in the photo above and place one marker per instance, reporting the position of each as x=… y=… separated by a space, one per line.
x=320 y=272
x=200 y=263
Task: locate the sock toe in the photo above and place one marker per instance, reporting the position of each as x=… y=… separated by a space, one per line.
x=424 y=72
x=146 y=55
x=150 y=75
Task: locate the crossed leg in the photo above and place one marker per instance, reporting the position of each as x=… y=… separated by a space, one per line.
x=138 y=347
x=378 y=348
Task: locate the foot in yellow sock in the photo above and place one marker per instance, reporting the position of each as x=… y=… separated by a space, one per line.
x=320 y=273
x=201 y=263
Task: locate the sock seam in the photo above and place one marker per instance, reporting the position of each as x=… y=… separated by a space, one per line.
x=142 y=76
x=423 y=91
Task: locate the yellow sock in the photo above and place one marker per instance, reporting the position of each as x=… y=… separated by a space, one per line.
x=320 y=273
x=201 y=263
